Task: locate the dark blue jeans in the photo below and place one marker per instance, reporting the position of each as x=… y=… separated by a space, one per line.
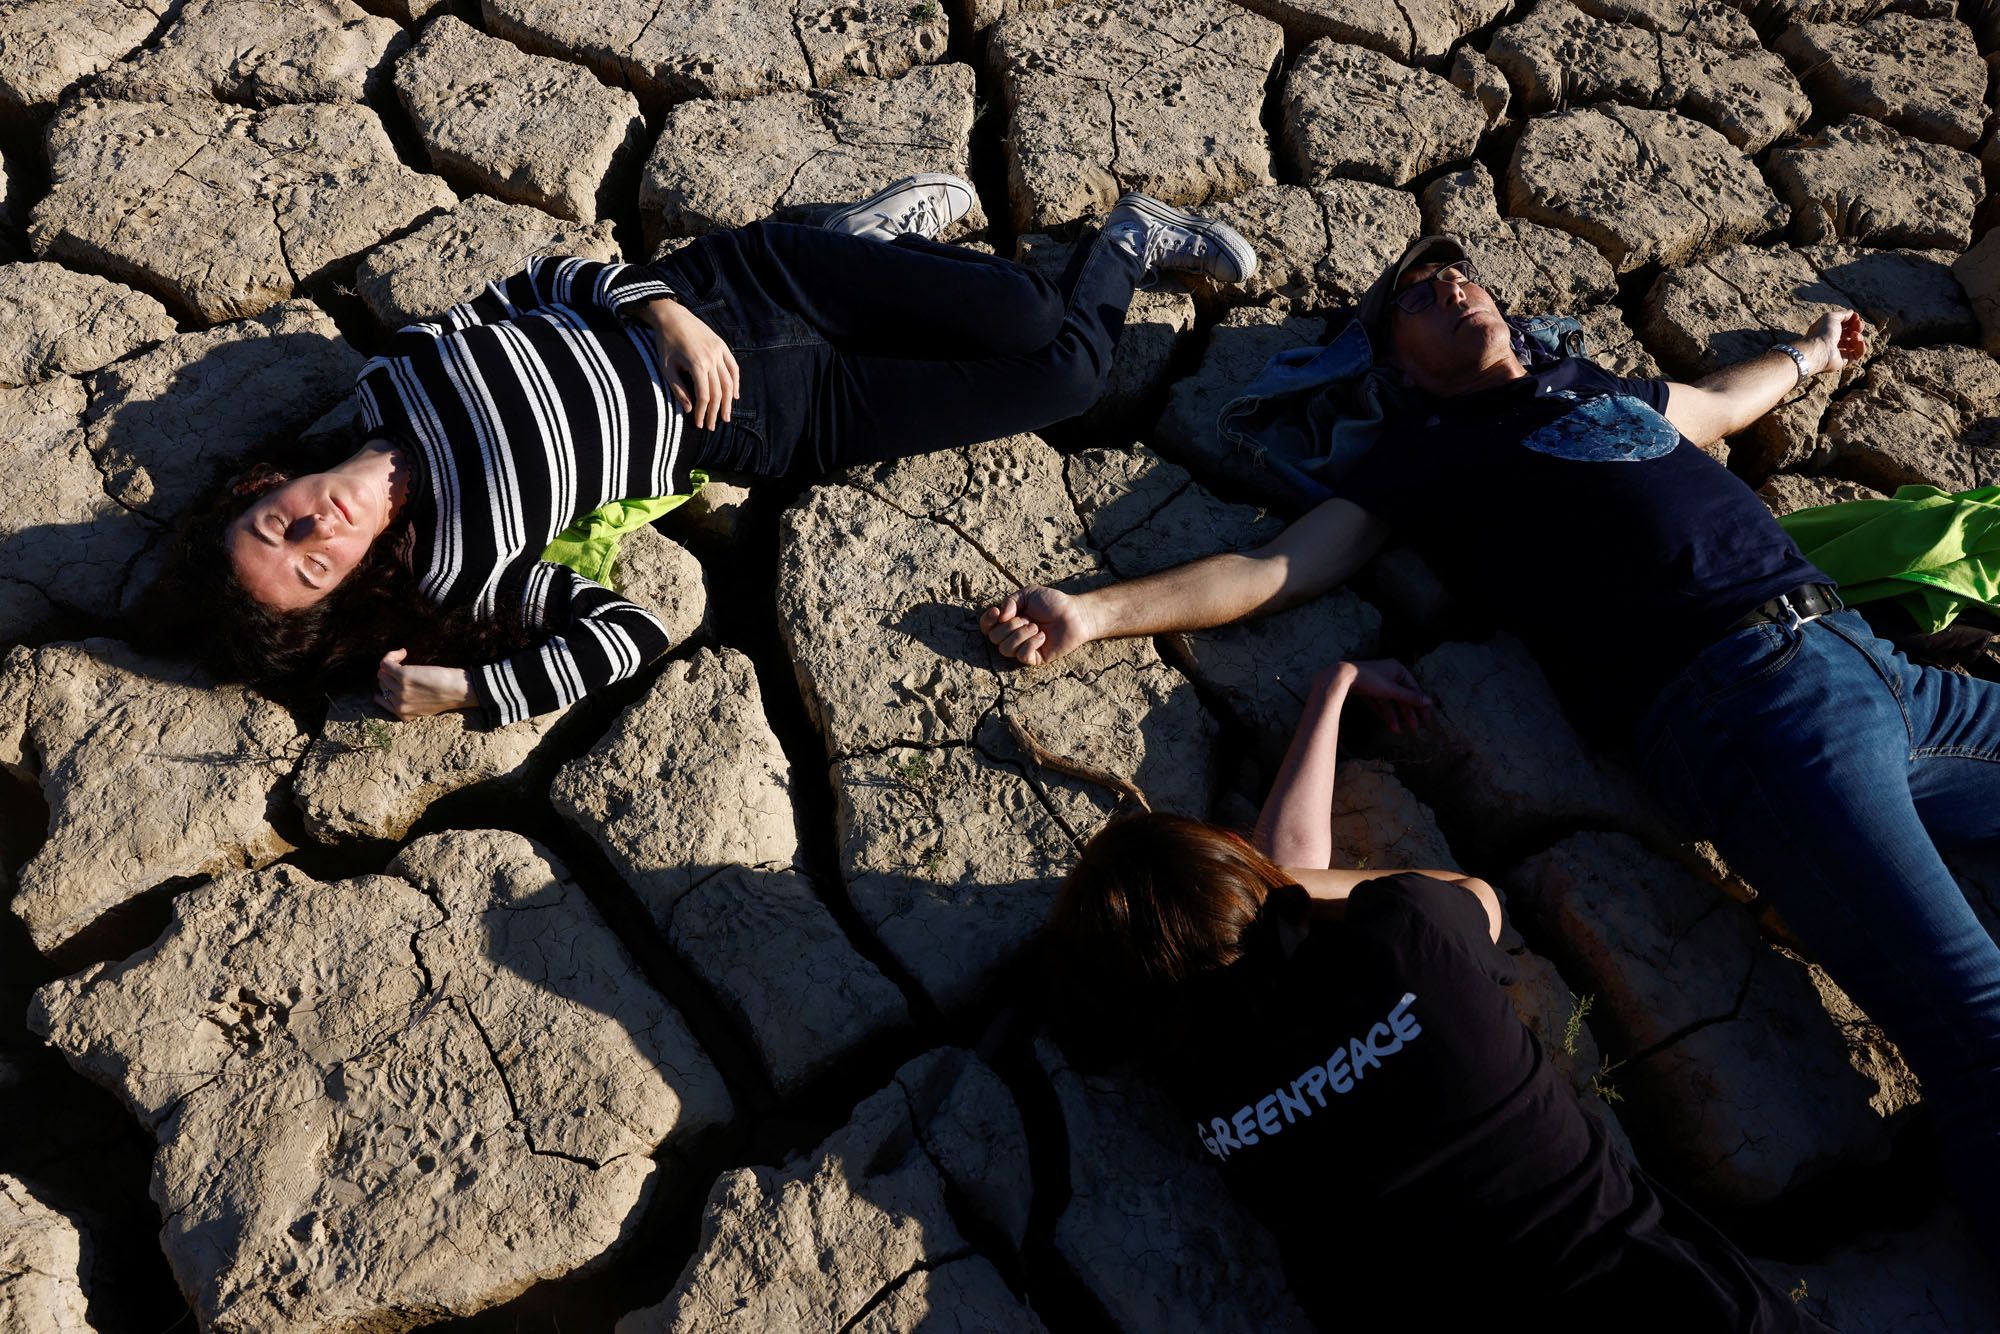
x=853 y=351
x=1829 y=770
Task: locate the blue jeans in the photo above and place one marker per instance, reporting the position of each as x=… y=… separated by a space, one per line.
x=1829 y=770
x=856 y=351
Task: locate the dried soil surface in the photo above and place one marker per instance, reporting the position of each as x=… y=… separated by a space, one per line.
x=706 y=1001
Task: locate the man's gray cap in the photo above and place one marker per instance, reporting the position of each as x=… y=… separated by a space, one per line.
x=1374 y=308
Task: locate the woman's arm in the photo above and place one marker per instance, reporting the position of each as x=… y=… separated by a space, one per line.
x=1295 y=829
x=546 y=280
x=551 y=280
x=590 y=637
x=587 y=638
x=1296 y=826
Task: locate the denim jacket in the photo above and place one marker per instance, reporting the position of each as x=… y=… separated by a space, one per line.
x=1312 y=412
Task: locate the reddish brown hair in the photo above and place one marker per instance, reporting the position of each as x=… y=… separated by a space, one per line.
x=1153 y=901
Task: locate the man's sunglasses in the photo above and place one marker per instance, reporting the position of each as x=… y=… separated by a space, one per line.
x=1419 y=296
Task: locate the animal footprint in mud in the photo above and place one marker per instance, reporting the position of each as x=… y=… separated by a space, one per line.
x=248 y=1019
x=923 y=684
x=838 y=20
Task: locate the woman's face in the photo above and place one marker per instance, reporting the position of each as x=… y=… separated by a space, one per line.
x=298 y=541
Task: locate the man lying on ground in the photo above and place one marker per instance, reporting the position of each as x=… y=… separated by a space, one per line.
x=1678 y=620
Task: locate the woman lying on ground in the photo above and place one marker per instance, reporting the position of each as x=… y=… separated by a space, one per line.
x=1343 y=1044
x=771 y=350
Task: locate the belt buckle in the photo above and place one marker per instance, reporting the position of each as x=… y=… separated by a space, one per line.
x=1794 y=622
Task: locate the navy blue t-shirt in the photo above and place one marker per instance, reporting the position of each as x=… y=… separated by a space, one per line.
x=1375 y=1100
x=1589 y=526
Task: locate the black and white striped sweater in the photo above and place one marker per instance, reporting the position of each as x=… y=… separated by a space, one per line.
x=530 y=406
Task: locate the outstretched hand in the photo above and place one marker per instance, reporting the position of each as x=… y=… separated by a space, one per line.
x=1839 y=338
x=410 y=690
x=1392 y=692
x=1036 y=625
x=701 y=371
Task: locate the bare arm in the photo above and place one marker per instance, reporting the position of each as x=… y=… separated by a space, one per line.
x=1295 y=828
x=1727 y=401
x=1296 y=825
x=1317 y=552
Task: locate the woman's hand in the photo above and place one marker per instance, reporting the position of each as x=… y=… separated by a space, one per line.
x=1392 y=692
x=409 y=690
x=701 y=370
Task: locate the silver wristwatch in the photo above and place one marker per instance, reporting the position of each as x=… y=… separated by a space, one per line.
x=1798 y=359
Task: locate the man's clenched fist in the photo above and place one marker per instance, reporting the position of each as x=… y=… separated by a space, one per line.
x=1036 y=625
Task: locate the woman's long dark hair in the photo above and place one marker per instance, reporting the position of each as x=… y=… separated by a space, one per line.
x=1155 y=902
x=334 y=642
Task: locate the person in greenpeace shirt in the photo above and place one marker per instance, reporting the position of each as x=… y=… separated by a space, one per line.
x=1343 y=1046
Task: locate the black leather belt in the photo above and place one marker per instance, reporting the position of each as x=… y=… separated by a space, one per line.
x=1798 y=606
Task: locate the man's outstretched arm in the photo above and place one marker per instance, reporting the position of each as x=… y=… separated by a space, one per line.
x=1317 y=552
x=1727 y=401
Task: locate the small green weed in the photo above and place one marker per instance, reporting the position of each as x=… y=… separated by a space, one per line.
x=926 y=11
x=1600 y=1083
x=934 y=863
x=1579 y=1010
x=914 y=772
x=380 y=735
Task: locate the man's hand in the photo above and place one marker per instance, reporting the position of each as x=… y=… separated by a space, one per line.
x=696 y=359
x=1392 y=692
x=1835 y=342
x=1037 y=625
x=412 y=691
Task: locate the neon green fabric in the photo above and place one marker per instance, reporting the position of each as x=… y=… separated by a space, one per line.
x=590 y=545
x=1932 y=550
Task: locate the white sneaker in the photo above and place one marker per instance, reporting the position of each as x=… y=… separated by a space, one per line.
x=921 y=205
x=1177 y=242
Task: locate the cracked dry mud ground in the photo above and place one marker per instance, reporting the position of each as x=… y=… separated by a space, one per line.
x=704 y=997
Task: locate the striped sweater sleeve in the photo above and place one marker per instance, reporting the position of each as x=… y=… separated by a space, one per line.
x=548 y=280
x=555 y=281
x=591 y=637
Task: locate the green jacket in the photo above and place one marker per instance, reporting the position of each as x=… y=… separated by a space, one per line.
x=1932 y=550
x=590 y=545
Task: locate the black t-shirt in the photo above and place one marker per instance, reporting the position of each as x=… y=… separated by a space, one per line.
x=1591 y=527
x=1375 y=1100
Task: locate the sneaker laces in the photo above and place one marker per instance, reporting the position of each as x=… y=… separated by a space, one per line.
x=1163 y=240
x=920 y=217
